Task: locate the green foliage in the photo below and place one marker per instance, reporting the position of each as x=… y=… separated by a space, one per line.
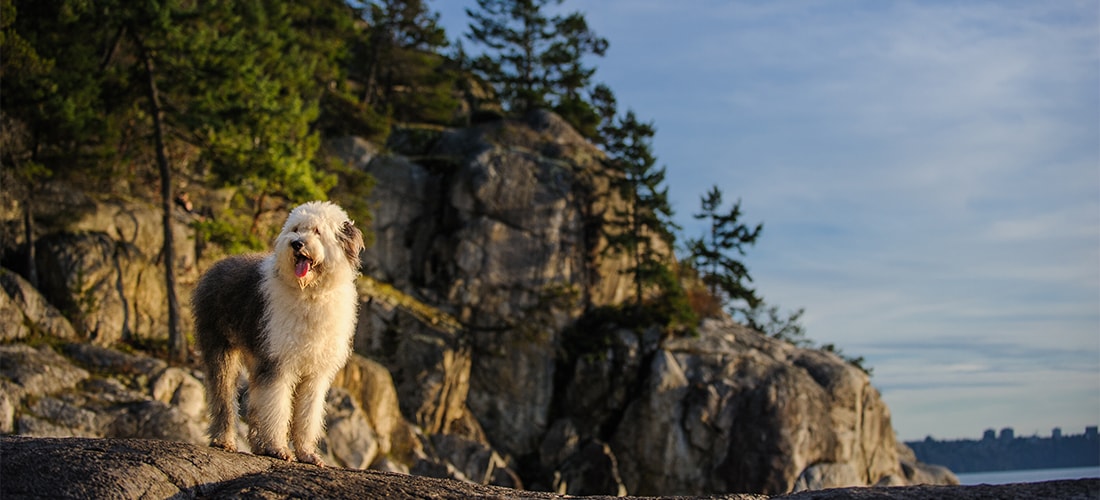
x=520 y=32
x=52 y=87
x=397 y=60
x=352 y=192
x=569 y=77
x=647 y=214
x=230 y=233
x=240 y=82
x=248 y=79
x=724 y=275
x=536 y=61
x=767 y=319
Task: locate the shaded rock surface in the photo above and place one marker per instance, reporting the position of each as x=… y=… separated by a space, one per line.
x=128 y=468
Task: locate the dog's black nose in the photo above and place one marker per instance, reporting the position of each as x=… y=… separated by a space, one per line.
x=297 y=244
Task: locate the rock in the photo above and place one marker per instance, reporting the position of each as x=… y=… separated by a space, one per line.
x=657 y=452
x=140 y=224
x=822 y=476
x=473 y=461
x=97 y=262
x=37 y=372
x=66 y=416
x=356 y=151
x=176 y=387
x=751 y=414
x=489 y=223
x=153 y=420
x=103 y=359
x=351 y=439
x=603 y=379
x=7 y=412
x=130 y=468
x=107 y=288
x=591 y=470
x=60 y=399
x=13 y=324
x=24 y=310
x=372 y=386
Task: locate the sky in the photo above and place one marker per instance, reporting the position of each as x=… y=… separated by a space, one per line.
x=927 y=173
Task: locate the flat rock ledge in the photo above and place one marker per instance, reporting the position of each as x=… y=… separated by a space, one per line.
x=135 y=468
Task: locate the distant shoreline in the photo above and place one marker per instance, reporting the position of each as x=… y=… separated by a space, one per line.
x=1028 y=475
x=1006 y=452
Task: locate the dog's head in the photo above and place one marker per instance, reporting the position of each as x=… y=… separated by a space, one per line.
x=317 y=240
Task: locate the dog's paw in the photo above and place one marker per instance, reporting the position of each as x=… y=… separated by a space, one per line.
x=223 y=445
x=311 y=458
x=281 y=454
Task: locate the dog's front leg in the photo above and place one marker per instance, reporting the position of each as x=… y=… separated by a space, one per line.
x=309 y=414
x=269 y=395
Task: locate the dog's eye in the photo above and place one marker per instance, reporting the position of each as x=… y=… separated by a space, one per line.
x=317 y=231
x=294 y=229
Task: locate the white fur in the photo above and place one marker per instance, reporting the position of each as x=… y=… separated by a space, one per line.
x=308 y=325
x=305 y=332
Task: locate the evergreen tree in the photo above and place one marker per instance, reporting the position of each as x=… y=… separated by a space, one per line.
x=606 y=107
x=724 y=275
x=399 y=63
x=568 y=79
x=536 y=61
x=768 y=320
x=521 y=33
x=236 y=83
x=647 y=214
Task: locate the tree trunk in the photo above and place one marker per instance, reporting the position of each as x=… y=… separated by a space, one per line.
x=28 y=234
x=177 y=343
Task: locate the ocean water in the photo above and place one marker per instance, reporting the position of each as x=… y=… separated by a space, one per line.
x=1028 y=476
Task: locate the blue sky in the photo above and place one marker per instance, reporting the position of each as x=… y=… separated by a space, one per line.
x=928 y=176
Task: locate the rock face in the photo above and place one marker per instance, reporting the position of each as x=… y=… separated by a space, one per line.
x=748 y=413
x=98 y=265
x=24 y=311
x=128 y=468
x=498 y=226
x=490 y=224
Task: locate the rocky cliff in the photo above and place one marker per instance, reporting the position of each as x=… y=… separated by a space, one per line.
x=478 y=359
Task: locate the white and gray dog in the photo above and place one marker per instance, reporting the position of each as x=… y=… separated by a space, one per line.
x=289 y=317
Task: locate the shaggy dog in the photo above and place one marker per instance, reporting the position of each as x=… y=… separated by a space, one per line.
x=289 y=317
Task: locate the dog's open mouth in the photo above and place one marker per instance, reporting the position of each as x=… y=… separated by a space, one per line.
x=302 y=265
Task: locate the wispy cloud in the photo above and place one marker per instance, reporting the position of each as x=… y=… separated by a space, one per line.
x=928 y=175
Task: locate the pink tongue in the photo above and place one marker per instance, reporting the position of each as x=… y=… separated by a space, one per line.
x=301 y=267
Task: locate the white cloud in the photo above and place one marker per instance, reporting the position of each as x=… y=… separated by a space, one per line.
x=926 y=171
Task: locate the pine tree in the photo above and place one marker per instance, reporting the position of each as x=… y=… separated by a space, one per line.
x=569 y=79
x=647 y=214
x=536 y=61
x=399 y=63
x=521 y=33
x=724 y=275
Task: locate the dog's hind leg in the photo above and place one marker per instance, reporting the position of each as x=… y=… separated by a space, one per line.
x=269 y=394
x=309 y=414
x=222 y=367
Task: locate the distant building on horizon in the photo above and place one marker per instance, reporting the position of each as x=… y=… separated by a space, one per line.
x=1006 y=451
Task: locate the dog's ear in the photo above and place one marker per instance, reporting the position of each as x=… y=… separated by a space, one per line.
x=352 y=241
